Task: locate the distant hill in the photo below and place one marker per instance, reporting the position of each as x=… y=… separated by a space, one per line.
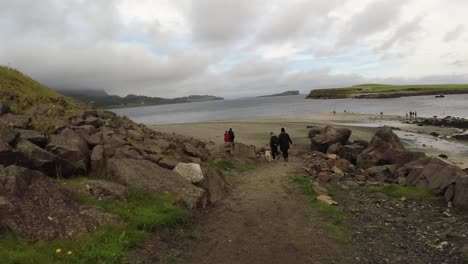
x=388 y=91
x=102 y=99
x=287 y=93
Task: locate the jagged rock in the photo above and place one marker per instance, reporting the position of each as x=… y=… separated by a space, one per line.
x=193 y=151
x=329 y=136
x=334 y=149
x=190 y=171
x=94 y=139
x=39 y=208
x=460 y=197
x=214 y=182
x=37 y=158
x=15 y=121
x=150 y=177
x=434 y=134
x=33 y=136
x=135 y=135
x=100 y=216
x=105 y=190
x=244 y=151
x=94 y=121
x=112 y=141
x=431 y=173
x=167 y=163
x=324 y=176
x=385 y=148
x=128 y=152
x=85 y=130
x=72 y=150
x=361 y=143
x=97 y=158
x=350 y=152
x=10 y=156
x=8 y=135
x=313 y=130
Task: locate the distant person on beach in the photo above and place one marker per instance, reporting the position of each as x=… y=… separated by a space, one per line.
x=226 y=136
x=284 y=142
x=231 y=135
x=381 y=114
x=274 y=142
x=415 y=114
x=345 y=111
x=334 y=112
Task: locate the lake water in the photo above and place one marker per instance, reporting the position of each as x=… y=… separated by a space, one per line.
x=425 y=106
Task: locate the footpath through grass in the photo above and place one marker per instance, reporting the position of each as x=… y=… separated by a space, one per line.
x=141 y=213
x=335 y=221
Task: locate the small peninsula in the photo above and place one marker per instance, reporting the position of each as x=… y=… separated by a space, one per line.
x=287 y=93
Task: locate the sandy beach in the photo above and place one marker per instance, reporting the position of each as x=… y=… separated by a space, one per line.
x=256 y=132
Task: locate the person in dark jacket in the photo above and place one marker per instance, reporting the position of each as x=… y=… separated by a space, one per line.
x=274 y=142
x=231 y=135
x=284 y=142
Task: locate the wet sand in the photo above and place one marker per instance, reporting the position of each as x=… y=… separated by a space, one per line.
x=256 y=132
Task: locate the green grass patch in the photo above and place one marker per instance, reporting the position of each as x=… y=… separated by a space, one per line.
x=399 y=191
x=145 y=211
x=335 y=221
x=141 y=213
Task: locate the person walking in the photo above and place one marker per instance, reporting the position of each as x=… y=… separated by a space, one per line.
x=226 y=137
x=284 y=142
x=274 y=142
x=231 y=135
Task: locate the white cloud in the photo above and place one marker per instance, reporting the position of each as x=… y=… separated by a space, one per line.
x=233 y=48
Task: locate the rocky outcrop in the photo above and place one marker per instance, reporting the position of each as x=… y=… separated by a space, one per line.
x=38 y=208
x=244 y=151
x=215 y=184
x=385 y=148
x=15 y=121
x=33 y=136
x=149 y=176
x=37 y=158
x=327 y=137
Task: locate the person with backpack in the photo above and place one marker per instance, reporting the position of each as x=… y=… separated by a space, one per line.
x=284 y=143
x=274 y=142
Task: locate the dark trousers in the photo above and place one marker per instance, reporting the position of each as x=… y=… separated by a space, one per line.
x=285 y=153
x=274 y=151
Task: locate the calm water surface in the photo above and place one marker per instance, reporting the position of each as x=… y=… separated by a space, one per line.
x=425 y=106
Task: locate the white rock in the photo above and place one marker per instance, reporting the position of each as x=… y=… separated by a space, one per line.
x=190 y=171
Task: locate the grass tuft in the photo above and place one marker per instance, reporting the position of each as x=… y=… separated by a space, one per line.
x=399 y=191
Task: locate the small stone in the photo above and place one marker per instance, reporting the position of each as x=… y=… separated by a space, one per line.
x=324 y=176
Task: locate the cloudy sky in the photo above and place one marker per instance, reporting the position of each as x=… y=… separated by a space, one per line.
x=234 y=48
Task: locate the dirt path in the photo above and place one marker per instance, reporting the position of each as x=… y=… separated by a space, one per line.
x=265 y=219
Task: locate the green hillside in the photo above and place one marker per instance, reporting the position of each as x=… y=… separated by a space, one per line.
x=22 y=93
x=388 y=91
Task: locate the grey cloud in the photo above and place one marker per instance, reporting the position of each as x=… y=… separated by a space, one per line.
x=220 y=22
x=374 y=18
x=454 y=34
x=404 y=33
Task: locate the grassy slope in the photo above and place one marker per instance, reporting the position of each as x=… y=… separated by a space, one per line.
x=374 y=90
x=27 y=92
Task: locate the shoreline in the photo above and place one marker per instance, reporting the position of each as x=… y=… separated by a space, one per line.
x=255 y=131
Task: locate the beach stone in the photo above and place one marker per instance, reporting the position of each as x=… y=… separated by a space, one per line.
x=329 y=136
x=324 y=176
x=190 y=171
x=33 y=136
x=215 y=184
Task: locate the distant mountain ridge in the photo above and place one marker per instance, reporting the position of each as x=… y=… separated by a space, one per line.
x=101 y=98
x=287 y=93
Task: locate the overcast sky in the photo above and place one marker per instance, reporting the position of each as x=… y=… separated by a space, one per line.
x=234 y=48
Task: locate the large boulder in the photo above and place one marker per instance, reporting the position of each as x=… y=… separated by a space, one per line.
x=97 y=159
x=215 y=184
x=72 y=150
x=385 y=148
x=9 y=155
x=15 y=121
x=460 y=198
x=8 y=135
x=190 y=171
x=193 y=151
x=150 y=177
x=36 y=207
x=37 y=158
x=329 y=136
x=431 y=173
x=33 y=136
x=4 y=109
x=243 y=151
